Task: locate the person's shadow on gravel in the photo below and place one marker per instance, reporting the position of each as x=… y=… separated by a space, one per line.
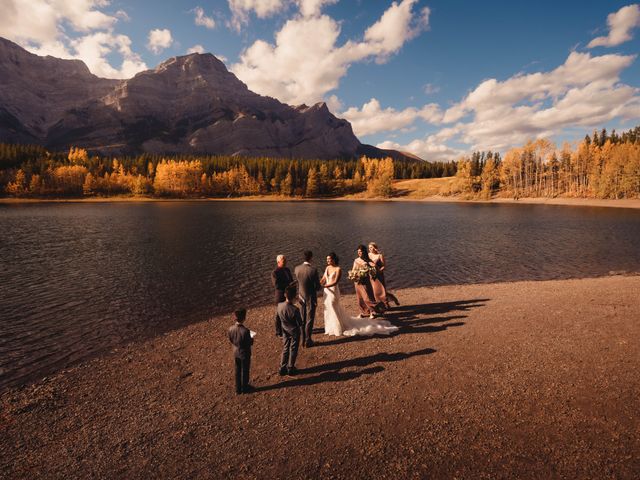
x=366 y=361
x=331 y=372
x=411 y=319
x=403 y=313
x=332 y=376
x=407 y=324
x=418 y=319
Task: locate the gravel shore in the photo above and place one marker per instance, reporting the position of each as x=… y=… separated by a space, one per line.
x=511 y=380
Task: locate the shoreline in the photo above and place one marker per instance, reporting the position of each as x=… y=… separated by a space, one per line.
x=631 y=203
x=526 y=379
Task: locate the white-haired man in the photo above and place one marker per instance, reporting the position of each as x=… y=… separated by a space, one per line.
x=281 y=278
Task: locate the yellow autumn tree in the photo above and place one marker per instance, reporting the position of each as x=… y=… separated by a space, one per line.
x=78 y=156
x=177 y=178
x=18 y=186
x=312 y=183
x=378 y=176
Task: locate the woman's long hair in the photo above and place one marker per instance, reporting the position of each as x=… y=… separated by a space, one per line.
x=334 y=257
x=365 y=253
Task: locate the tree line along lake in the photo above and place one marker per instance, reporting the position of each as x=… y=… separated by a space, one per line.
x=78 y=279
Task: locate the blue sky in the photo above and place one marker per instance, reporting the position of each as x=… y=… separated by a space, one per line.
x=409 y=74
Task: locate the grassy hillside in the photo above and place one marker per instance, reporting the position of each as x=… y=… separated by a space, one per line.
x=423 y=187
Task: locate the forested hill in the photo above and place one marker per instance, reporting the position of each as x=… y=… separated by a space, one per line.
x=602 y=165
x=32 y=171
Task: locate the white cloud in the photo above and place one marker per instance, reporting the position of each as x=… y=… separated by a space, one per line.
x=430 y=89
x=159 y=39
x=312 y=8
x=94 y=47
x=82 y=15
x=396 y=26
x=196 y=49
x=46 y=26
x=122 y=15
x=334 y=104
x=40 y=22
x=371 y=118
x=202 y=20
x=429 y=149
x=305 y=63
x=620 y=23
x=585 y=91
x=240 y=10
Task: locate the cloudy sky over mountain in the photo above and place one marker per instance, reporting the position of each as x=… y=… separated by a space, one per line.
x=437 y=78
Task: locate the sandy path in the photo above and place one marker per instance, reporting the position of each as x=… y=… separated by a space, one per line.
x=527 y=379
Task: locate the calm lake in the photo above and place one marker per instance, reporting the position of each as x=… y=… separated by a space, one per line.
x=77 y=279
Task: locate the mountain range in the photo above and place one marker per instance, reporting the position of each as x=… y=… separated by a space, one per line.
x=188 y=104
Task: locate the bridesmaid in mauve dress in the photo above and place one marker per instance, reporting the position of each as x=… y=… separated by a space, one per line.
x=378 y=284
x=364 y=293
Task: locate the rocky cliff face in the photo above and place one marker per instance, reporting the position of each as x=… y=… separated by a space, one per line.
x=188 y=104
x=35 y=92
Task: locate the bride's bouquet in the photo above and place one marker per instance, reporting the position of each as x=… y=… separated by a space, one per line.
x=359 y=275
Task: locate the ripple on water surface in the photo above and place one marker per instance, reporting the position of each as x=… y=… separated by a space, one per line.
x=77 y=279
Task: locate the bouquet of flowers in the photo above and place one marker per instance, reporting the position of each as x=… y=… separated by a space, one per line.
x=358 y=275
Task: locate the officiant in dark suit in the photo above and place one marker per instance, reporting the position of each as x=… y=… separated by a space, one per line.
x=281 y=278
x=308 y=286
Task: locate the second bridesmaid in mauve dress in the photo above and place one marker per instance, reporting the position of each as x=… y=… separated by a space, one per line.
x=364 y=293
x=378 y=284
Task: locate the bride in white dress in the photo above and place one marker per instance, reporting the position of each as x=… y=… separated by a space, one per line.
x=337 y=321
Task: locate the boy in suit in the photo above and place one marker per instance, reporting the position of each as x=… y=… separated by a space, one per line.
x=240 y=337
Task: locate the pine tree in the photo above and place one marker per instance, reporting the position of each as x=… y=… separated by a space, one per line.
x=338 y=181
x=35 y=185
x=323 y=179
x=17 y=187
x=312 y=183
x=357 y=183
x=89 y=185
x=286 y=186
x=490 y=178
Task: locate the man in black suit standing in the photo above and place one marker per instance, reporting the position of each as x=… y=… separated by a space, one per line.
x=308 y=286
x=240 y=337
x=291 y=323
x=281 y=278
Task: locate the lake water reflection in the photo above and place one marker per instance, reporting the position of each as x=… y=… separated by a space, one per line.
x=77 y=279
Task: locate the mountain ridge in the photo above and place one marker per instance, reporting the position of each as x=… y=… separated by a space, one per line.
x=188 y=104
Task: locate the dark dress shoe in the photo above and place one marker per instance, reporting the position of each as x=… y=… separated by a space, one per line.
x=292 y=371
x=310 y=343
x=249 y=389
x=283 y=371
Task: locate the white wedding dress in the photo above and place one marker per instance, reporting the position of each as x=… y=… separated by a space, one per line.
x=337 y=321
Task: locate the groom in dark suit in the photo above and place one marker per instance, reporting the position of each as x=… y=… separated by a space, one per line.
x=308 y=286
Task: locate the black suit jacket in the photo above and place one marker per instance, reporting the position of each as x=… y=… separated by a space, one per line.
x=290 y=318
x=281 y=279
x=240 y=337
